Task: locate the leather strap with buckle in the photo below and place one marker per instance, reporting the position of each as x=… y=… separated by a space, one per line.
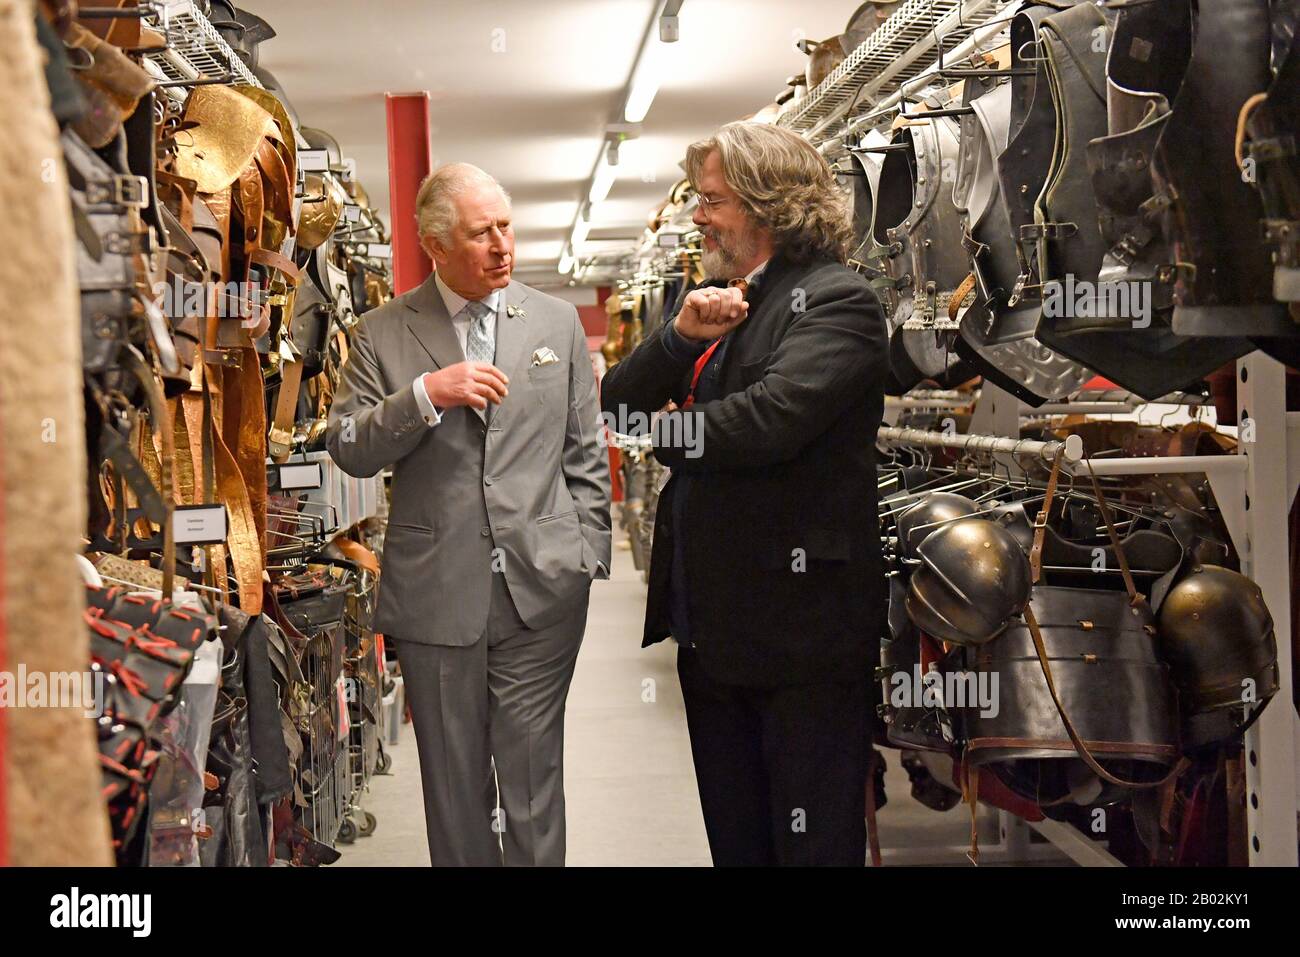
x=121 y=189
x=1040 y=520
x=1136 y=601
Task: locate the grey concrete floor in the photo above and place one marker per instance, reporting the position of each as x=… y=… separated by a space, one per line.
x=629 y=782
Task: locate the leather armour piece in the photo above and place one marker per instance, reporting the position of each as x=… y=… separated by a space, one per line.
x=1062 y=242
x=919 y=227
x=1273 y=131
x=230 y=127
x=1214 y=221
x=1114 y=687
x=1022 y=365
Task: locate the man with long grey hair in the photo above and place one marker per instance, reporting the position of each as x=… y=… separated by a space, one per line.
x=766 y=563
x=479 y=392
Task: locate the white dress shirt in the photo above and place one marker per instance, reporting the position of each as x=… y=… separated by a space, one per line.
x=460 y=321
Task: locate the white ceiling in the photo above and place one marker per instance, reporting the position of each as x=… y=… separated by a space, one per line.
x=524 y=89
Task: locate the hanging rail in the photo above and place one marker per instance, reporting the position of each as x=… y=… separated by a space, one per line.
x=1047 y=451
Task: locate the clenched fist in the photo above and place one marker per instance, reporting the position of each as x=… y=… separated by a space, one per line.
x=474 y=384
x=709 y=313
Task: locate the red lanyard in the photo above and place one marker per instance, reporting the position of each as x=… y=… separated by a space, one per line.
x=700 y=363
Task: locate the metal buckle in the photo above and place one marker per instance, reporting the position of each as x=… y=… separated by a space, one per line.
x=126 y=244
x=1126 y=250
x=120 y=190
x=1051 y=232
x=1018 y=290
x=1158 y=202
x=221 y=357
x=1284 y=235
x=131 y=191
x=971 y=244
x=279 y=441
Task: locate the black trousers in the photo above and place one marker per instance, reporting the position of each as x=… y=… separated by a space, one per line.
x=782 y=772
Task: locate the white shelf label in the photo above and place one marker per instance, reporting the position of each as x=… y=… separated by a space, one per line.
x=304 y=475
x=200 y=524
x=314 y=161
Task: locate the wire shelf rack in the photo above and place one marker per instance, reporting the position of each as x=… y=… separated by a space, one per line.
x=194 y=47
x=904 y=47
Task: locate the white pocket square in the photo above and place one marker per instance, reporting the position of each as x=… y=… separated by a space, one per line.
x=544 y=357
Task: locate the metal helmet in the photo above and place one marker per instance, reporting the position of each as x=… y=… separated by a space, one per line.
x=320 y=210
x=973 y=579
x=1216 y=635
x=918 y=521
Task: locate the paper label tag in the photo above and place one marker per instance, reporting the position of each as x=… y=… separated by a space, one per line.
x=351 y=212
x=314 y=161
x=379 y=250
x=200 y=524
x=299 y=475
x=669 y=240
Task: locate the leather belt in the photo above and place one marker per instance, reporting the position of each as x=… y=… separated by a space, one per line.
x=280 y=438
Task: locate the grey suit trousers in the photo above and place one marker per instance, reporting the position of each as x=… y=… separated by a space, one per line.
x=498 y=702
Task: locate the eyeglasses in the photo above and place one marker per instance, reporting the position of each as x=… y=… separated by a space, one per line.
x=709 y=205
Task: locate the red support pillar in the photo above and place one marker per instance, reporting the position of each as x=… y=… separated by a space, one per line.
x=410 y=158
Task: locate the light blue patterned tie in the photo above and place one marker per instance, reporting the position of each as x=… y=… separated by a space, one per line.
x=480 y=346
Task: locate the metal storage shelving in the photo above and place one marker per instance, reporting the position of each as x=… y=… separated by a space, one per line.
x=1255 y=488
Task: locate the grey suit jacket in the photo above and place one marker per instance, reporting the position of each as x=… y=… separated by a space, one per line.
x=525 y=494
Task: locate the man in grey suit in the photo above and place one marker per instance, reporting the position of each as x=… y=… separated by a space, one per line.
x=479 y=392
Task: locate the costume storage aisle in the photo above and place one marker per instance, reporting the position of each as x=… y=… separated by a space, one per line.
x=653 y=433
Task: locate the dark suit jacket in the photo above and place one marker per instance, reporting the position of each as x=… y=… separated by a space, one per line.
x=782 y=546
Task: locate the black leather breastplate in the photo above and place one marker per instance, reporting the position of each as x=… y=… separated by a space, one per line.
x=1213 y=221
x=1142 y=79
x=1018 y=363
x=1105 y=312
x=1274 y=130
x=1023 y=165
x=1065 y=229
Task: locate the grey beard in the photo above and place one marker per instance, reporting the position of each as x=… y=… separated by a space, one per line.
x=715 y=264
x=723 y=263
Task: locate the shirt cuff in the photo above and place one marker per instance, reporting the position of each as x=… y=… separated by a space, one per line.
x=679 y=347
x=427 y=409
